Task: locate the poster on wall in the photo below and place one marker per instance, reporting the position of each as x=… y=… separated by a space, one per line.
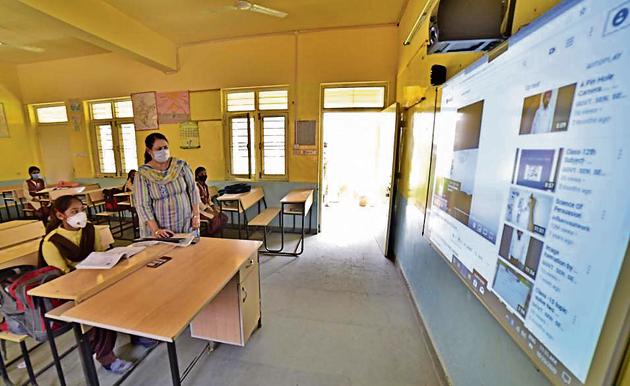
x=189 y=135
x=173 y=107
x=530 y=197
x=4 y=125
x=75 y=114
x=145 y=115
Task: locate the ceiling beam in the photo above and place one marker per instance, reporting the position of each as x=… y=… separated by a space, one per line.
x=105 y=26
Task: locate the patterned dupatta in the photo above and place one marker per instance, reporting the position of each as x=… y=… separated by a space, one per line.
x=162 y=177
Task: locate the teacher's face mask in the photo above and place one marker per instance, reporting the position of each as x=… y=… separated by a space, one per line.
x=161 y=155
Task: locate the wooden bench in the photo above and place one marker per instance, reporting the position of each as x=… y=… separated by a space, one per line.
x=239 y=203
x=265 y=217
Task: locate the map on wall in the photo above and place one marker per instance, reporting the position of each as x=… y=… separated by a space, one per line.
x=145 y=115
x=173 y=107
x=4 y=126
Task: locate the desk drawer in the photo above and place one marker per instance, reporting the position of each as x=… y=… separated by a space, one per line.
x=248 y=267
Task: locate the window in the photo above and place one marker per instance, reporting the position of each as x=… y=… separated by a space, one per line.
x=114 y=136
x=257 y=126
x=274 y=141
x=51 y=113
x=354 y=97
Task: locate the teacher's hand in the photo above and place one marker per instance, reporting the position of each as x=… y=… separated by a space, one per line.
x=195 y=222
x=163 y=233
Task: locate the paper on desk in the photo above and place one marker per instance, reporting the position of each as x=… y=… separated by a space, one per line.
x=187 y=240
x=146 y=243
x=108 y=259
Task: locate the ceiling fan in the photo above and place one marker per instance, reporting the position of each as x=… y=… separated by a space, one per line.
x=34 y=49
x=242 y=5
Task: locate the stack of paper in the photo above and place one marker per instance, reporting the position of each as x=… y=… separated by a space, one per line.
x=108 y=259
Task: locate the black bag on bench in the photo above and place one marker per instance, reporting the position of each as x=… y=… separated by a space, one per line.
x=236 y=188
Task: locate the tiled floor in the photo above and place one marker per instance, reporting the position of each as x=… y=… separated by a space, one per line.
x=337 y=315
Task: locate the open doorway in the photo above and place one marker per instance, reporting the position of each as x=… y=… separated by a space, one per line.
x=358 y=154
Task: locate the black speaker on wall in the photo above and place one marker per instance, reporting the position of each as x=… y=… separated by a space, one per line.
x=438 y=75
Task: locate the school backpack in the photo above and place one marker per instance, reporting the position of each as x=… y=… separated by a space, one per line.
x=111 y=201
x=237 y=188
x=18 y=308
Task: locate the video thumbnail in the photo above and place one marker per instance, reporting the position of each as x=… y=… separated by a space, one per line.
x=537 y=168
x=528 y=210
x=548 y=112
x=521 y=250
x=456 y=191
x=514 y=289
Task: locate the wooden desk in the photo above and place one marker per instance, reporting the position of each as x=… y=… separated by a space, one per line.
x=128 y=196
x=301 y=201
x=214 y=286
x=9 y=193
x=18 y=231
x=80 y=284
x=239 y=203
x=295 y=203
x=55 y=194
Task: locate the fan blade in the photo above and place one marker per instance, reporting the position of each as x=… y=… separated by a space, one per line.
x=37 y=50
x=267 y=11
x=24 y=48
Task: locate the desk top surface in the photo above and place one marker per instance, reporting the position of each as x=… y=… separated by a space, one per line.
x=15 y=223
x=123 y=194
x=239 y=196
x=160 y=302
x=9 y=189
x=297 y=196
x=78 y=189
x=80 y=284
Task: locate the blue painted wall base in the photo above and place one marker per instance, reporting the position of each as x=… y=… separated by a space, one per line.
x=471 y=345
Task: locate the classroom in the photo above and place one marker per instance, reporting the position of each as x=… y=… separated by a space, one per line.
x=314 y=192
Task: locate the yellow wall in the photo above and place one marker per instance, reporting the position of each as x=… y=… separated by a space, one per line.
x=301 y=61
x=19 y=150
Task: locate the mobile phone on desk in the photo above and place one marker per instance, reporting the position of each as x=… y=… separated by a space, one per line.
x=159 y=261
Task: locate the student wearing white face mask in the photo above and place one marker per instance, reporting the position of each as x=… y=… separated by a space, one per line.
x=165 y=192
x=30 y=188
x=71 y=239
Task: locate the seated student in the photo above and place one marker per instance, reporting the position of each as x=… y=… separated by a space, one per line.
x=30 y=188
x=129 y=183
x=207 y=208
x=70 y=239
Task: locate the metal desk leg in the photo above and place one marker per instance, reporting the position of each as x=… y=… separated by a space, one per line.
x=51 y=341
x=27 y=362
x=4 y=373
x=6 y=207
x=310 y=220
x=89 y=371
x=238 y=217
x=172 y=359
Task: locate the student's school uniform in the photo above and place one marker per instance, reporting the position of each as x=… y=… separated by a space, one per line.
x=56 y=254
x=30 y=187
x=53 y=255
x=209 y=211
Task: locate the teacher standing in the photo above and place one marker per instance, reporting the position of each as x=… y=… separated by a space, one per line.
x=165 y=192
